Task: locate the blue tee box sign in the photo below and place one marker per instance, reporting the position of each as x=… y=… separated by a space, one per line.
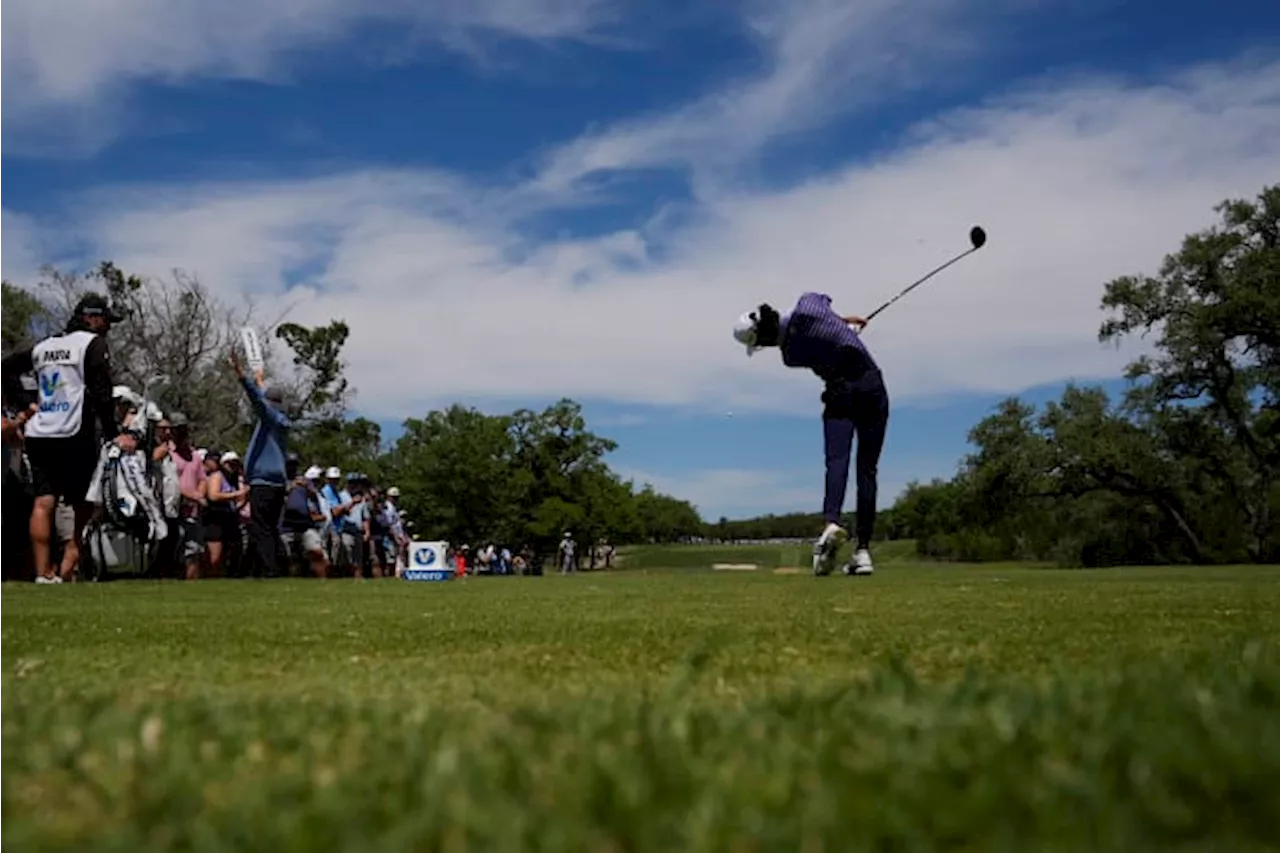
x=427 y=562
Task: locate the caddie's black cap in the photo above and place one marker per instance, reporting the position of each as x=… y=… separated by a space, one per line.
x=96 y=305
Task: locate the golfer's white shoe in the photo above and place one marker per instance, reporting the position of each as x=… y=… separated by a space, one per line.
x=827 y=547
x=861 y=564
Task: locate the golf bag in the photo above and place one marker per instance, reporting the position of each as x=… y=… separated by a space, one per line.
x=124 y=535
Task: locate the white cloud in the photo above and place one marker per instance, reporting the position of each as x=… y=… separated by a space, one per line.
x=1076 y=182
x=1075 y=185
x=67 y=62
x=824 y=58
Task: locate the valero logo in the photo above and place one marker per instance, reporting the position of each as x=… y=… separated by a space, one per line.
x=426 y=562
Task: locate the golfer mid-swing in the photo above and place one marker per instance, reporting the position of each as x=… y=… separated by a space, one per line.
x=855 y=401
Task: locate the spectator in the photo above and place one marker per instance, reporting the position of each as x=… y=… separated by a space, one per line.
x=301 y=522
x=340 y=508
x=17 y=498
x=74 y=386
x=191 y=490
x=221 y=517
x=293 y=555
x=395 y=539
x=381 y=558
x=264 y=466
x=165 y=472
x=565 y=553
x=356 y=525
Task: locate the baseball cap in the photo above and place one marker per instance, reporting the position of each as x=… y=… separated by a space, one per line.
x=229 y=456
x=178 y=419
x=313 y=473
x=333 y=473
x=394 y=492
x=96 y=305
x=744 y=332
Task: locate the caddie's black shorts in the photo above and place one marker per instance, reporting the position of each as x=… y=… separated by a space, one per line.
x=62 y=467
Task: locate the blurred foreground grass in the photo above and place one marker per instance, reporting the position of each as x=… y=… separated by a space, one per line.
x=926 y=708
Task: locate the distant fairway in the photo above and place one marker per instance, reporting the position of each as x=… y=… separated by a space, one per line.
x=765 y=556
x=926 y=708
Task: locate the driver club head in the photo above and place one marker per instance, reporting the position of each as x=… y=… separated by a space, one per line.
x=977 y=236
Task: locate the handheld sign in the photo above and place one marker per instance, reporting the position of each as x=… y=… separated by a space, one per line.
x=252 y=348
x=427 y=562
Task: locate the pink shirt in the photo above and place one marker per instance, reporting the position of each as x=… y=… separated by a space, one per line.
x=191 y=478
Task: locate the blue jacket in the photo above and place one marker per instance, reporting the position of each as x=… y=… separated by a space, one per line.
x=264 y=461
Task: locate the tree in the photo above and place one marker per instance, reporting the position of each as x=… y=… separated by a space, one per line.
x=25 y=318
x=1184 y=469
x=454 y=467
x=1214 y=380
x=320 y=389
x=352 y=445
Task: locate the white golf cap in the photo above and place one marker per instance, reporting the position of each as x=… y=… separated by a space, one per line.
x=313 y=473
x=124 y=392
x=230 y=456
x=744 y=332
x=393 y=492
x=333 y=473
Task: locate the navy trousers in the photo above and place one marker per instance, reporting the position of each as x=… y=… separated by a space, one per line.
x=854 y=407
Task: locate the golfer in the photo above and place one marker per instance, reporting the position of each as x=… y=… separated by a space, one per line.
x=73 y=370
x=814 y=336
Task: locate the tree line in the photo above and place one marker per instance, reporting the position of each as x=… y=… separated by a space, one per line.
x=522 y=478
x=1182 y=468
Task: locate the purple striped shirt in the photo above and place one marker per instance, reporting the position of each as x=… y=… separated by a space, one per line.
x=814 y=336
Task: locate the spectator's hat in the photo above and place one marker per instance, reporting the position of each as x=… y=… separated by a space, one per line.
x=313 y=473
x=178 y=419
x=229 y=456
x=123 y=393
x=333 y=473
x=393 y=492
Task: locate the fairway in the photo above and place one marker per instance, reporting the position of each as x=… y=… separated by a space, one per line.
x=998 y=707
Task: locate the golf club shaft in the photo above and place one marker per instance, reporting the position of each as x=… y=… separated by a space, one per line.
x=922 y=280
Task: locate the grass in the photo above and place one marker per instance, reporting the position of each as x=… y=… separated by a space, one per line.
x=764 y=556
x=927 y=708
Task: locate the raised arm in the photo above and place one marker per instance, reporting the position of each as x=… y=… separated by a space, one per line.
x=254 y=391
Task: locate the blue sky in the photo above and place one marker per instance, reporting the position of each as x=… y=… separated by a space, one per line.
x=512 y=201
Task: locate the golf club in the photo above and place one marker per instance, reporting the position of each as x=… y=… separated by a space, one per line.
x=977 y=237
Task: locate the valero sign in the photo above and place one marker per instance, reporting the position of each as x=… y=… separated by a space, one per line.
x=427 y=562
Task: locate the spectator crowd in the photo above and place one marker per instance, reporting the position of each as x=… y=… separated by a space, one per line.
x=94 y=469
x=331 y=523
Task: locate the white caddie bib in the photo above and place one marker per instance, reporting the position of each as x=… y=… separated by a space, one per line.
x=59 y=365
